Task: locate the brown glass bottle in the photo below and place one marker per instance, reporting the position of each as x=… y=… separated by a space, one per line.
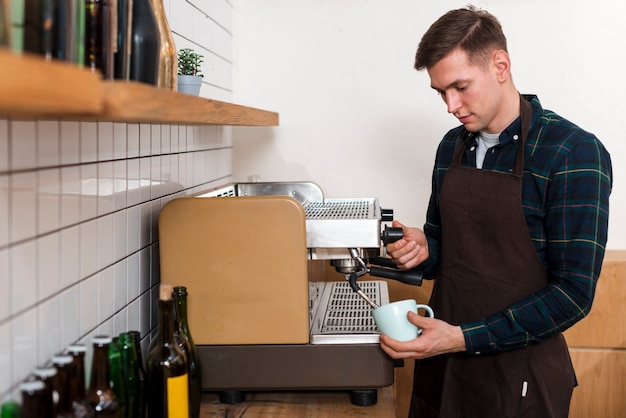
x=47 y=375
x=33 y=399
x=100 y=394
x=63 y=364
x=77 y=386
x=168 y=384
x=168 y=59
x=195 y=373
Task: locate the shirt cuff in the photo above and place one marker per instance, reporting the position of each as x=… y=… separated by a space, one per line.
x=478 y=339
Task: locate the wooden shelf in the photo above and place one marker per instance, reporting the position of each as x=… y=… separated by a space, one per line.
x=34 y=88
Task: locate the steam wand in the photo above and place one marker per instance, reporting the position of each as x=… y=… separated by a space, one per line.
x=352 y=277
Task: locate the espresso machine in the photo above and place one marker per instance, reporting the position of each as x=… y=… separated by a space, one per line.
x=243 y=251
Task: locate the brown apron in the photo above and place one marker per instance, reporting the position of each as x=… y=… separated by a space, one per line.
x=488 y=262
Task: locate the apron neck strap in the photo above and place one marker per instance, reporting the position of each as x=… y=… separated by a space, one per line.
x=526 y=113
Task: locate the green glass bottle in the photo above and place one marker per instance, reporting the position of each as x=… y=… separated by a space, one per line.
x=142 y=373
x=168 y=382
x=100 y=394
x=10 y=409
x=130 y=372
x=195 y=372
x=118 y=380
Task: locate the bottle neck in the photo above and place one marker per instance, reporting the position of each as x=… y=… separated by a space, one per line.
x=100 y=375
x=181 y=312
x=166 y=321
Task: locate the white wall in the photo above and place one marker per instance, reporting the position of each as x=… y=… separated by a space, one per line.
x=75 y=260
x=359 y=121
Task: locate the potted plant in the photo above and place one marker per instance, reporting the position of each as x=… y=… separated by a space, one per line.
x=189 y=71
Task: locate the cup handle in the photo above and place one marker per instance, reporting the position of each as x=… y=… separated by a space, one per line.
x=427 y=308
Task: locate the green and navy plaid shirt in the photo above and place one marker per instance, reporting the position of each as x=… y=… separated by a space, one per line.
x=566 y=186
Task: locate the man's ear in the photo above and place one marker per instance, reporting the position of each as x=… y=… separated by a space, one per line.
x=502 y=64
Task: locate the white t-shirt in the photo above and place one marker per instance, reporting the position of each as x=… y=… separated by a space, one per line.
x=485 y=141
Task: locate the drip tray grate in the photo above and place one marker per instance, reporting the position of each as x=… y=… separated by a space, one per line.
x=344 y=317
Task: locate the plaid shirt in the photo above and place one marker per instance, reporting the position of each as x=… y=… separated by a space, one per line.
x=566 y=186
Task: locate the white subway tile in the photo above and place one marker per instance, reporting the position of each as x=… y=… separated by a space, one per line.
x=132 y=132
x=134 y=228
x=88 y=191
x=145 y=133
x=6 y=377
x=4 y=148
x=71 y=315
x=88 y=297
x=119 y=141
x=88 y=248
x=144 y=175
x=49 y=335
x=5 y=284
x=23 y=145
x=106 y=188
x=48 y=265
x=48 y=145
x=24 y=343
x=70 y=195
x=133 y=196
x=155 y=177
x=24 y=206
x=121 y=284
x=166 y=133
x=49 y=200
x=70 y=142
x=133 y=274
x=70 y=256
x=155 y=139
x=120 y=322
x=105 y=141
x=23 y=276
x=121 y=185
x=4 y=210
x=134 y=314
x=88 y=142
x=106 y=294
x=105 y=241
x=120 y=235
x=144 y=270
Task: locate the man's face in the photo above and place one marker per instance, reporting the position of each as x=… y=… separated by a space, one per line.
x=472 y=92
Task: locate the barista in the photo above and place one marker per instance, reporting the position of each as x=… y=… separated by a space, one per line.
x=515 y=236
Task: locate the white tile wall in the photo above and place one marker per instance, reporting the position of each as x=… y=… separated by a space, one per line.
x=79 y=204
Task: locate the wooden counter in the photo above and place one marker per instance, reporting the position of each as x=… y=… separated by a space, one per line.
x=310 y=404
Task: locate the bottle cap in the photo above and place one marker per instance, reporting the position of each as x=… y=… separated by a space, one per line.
x=101 y=340
x=77 y=348
x=30 y=386
x=62 y=359
x=45 y=372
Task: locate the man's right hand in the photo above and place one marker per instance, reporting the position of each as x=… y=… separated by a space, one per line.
x=410 y=250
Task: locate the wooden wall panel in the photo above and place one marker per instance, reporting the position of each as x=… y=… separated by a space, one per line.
x=602 y=383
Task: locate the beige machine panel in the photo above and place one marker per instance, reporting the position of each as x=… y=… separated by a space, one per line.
x=244 y=263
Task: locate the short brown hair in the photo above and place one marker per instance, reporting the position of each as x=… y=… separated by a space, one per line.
x=475 y=31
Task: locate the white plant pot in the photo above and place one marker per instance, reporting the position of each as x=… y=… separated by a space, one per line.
x=189 y=84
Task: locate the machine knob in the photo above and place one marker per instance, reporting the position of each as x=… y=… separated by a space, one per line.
x=386 y=215
x=391 y=234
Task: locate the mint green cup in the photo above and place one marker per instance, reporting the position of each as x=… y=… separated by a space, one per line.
x=391 y=319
